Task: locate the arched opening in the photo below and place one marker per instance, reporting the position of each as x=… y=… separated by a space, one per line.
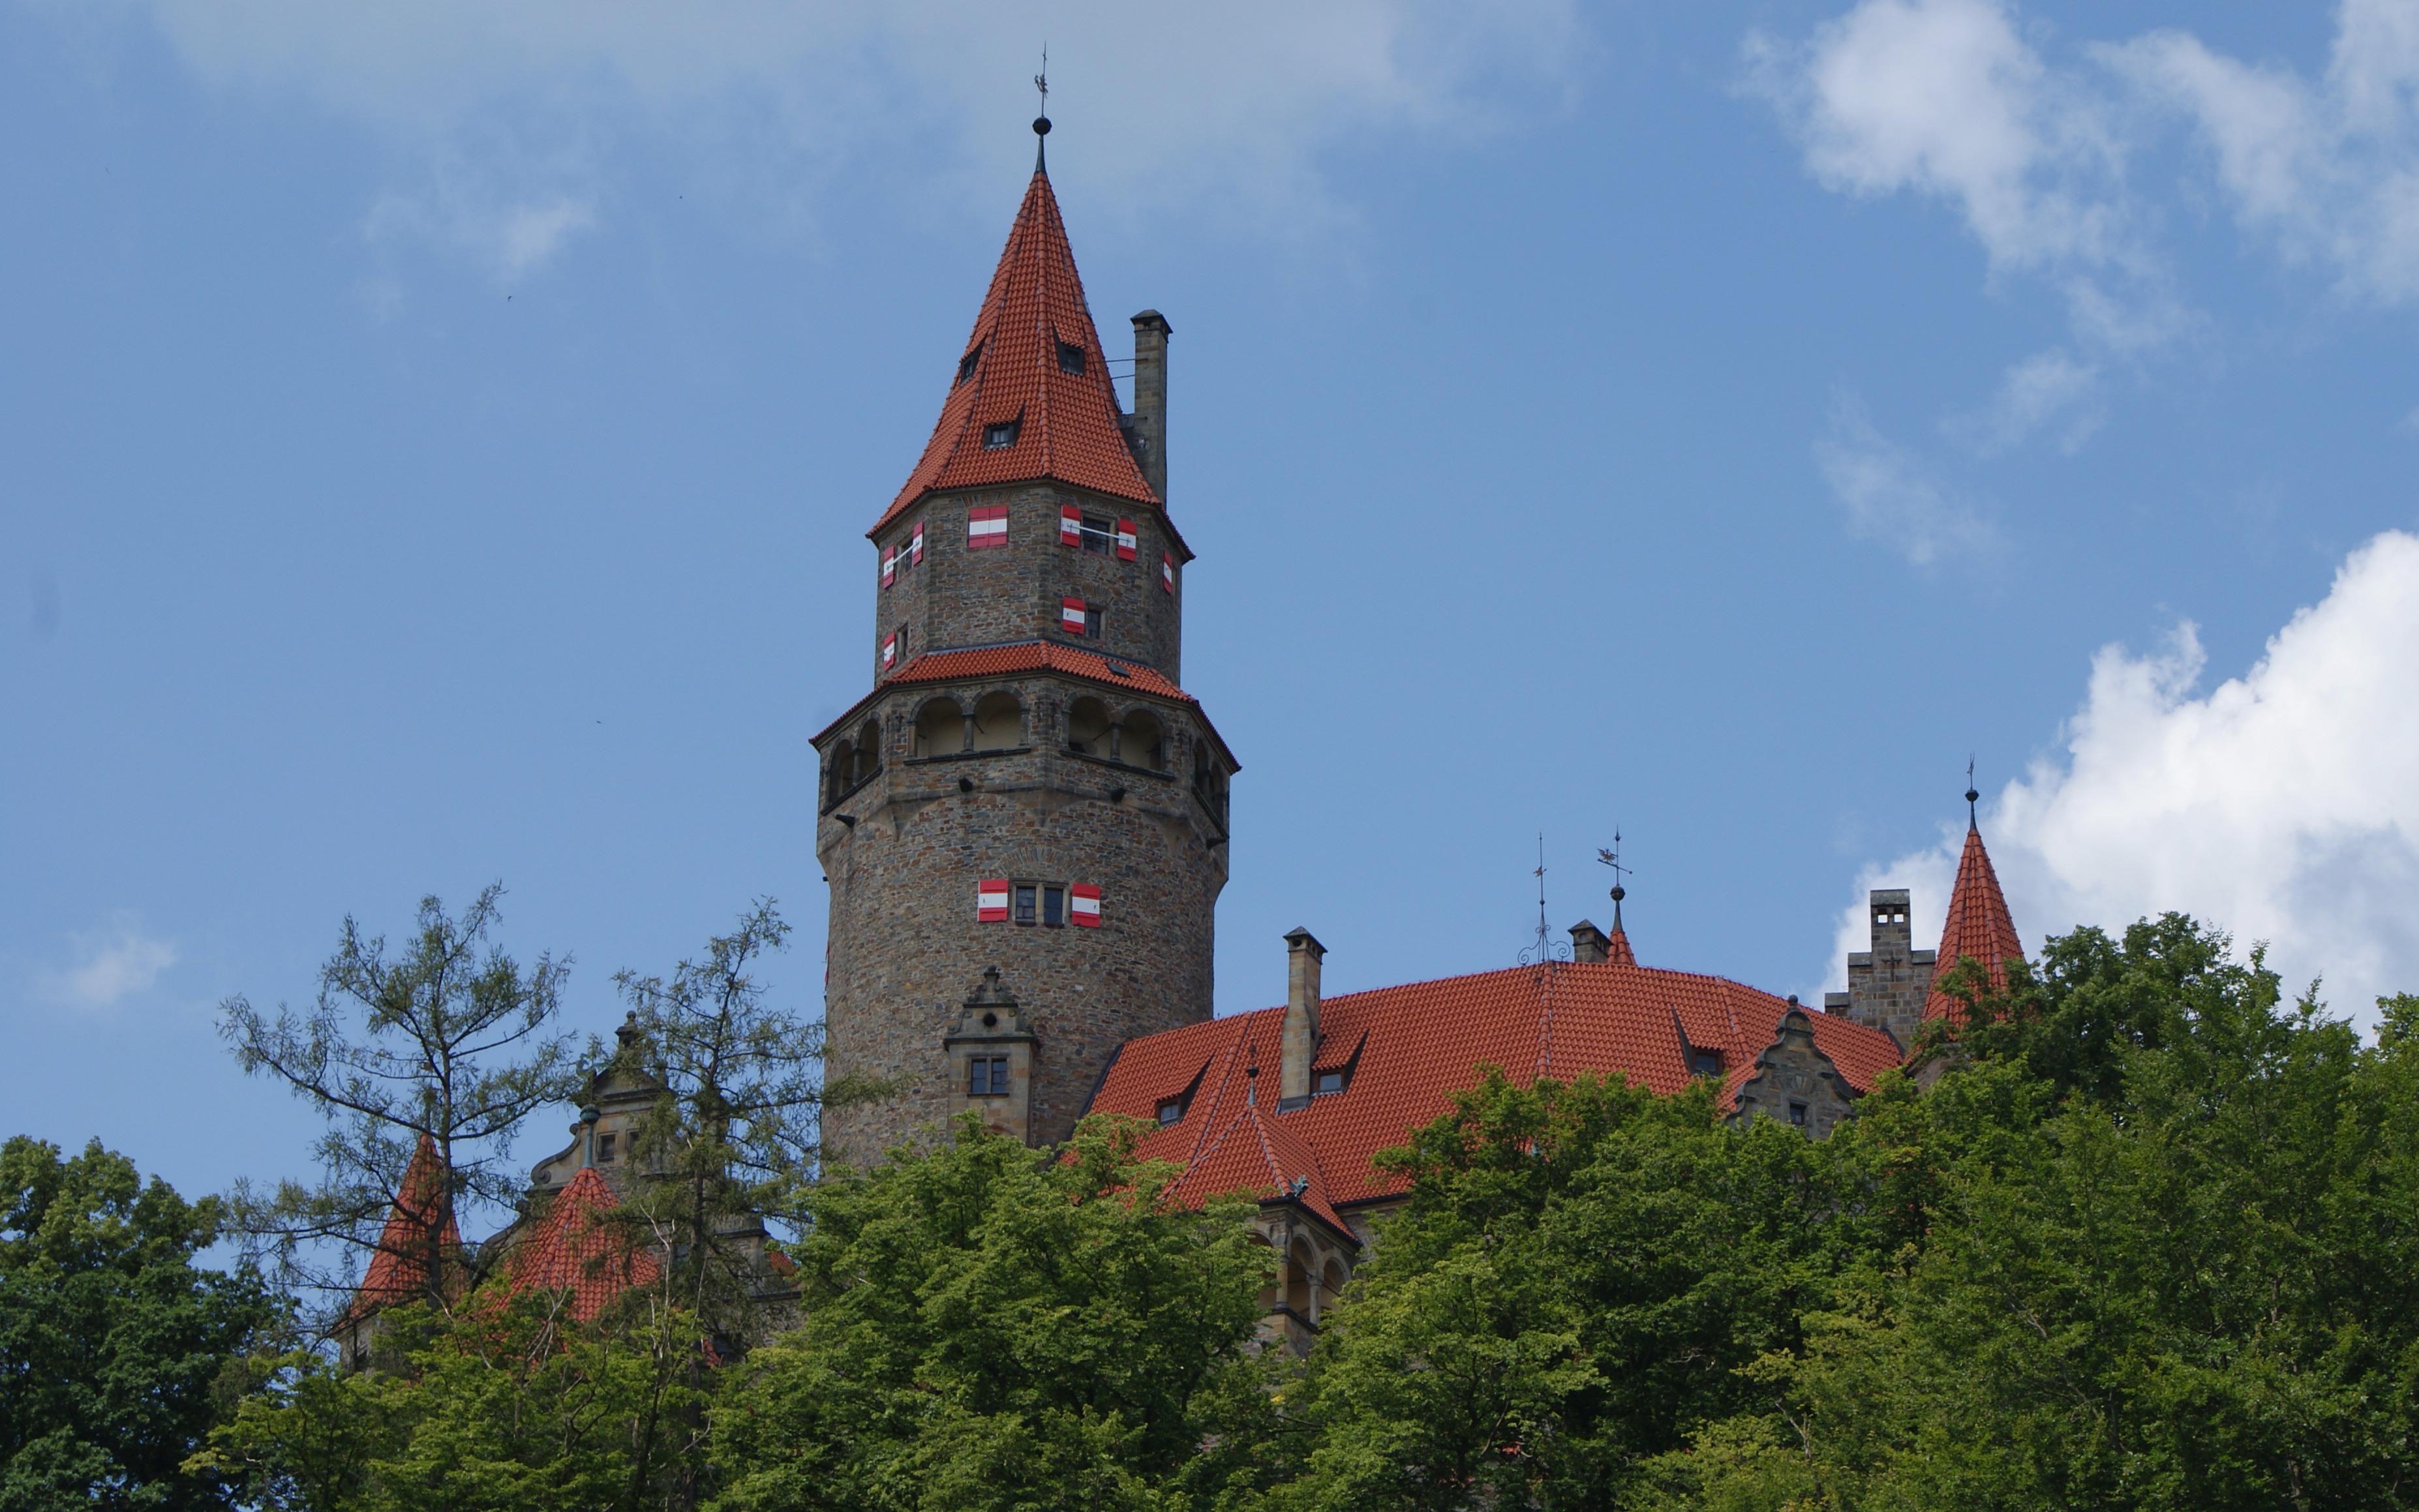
x=1300 y=1270
x=839 y=770
x=869 y=750
x=1141 y=742
x=1209 y=783
x=940 y=729
x=999 y=722
x=1088 y=727
x=1330 y=1288
x=1268 y=1293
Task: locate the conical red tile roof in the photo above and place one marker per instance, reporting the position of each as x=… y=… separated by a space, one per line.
x=572 y=1249
x=1979 y=927
x=399 y=1270
x=1010 y=371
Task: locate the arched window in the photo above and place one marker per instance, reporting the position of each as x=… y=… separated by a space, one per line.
x=940 y=729
x=1141 y=742
x=869 y=750
x=1299 y=1271
x=840 y=771
x=1088 y=727
x=999 y=722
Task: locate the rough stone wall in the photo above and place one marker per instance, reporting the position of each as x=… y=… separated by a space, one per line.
x=1887 y=984
x=962 y=597
x=905 y=946
x=1795 y=1083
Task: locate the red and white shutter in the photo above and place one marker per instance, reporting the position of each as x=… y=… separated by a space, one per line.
x=986 y=525
x=1084 y=903
x=991 y=901
x=1167 y=573
x=1071 y=525
x=1125 y=540
x=916 y=545
x=889 y=566
x=889 y=651
x=1070 y=615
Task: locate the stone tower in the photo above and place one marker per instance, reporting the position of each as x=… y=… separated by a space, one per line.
x=1893 y=986
x=1023 y=825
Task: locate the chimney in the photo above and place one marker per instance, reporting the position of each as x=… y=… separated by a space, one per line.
x=1150 y=399
x=1590 y=945
x=1300 y=1041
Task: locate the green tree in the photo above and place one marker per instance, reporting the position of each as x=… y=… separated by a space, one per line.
x=116 y=1350
x=451 y=1052
x=983 y=1326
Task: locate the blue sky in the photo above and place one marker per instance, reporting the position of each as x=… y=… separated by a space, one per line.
x=435 y=445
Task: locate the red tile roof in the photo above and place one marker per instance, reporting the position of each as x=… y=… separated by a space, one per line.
x=569 y=1248
x=1416 y=1045
x=399 y=1270
x=1978 y=926
x=1616 y=949
x=1068 y=422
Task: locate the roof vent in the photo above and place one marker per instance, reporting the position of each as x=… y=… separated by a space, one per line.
x=1117 y=666
x=1071 y=358
x=967 y=364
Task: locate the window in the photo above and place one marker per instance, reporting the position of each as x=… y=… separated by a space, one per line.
x=987 y=1076
x=1054 y=905
x=1704 y=1062
x=605 y=1150
x=1001 y=435
x=1326 y=1084
x=1025 y=891
x=967 y=364
x=1070 y=358
x=1171 y=1111
x=1797 y=1114
x=1077 y=617
x=1099 y=534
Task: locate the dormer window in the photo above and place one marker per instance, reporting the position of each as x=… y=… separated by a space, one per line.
x=967 y=364
x=1326 y=1084
x=1171 y=1111
x=1070 y=358
x=1001 y=436
x=1704 y=1062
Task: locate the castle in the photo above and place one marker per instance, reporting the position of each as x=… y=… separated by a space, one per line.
x=1024 y=823
x=1024 y=826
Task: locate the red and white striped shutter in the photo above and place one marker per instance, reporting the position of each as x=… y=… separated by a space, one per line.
x=1070 y=615
x=986 y=525
x=1125 y=540
x=889 y=651
x=1167 y=573
x=1071 y=525
x=916 y=545
x=1084 y=903
x=889 y=566
x=991 y=901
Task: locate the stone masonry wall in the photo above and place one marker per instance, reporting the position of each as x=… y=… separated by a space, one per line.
x=1886 y=985
x=905 y=946
x=962 y=597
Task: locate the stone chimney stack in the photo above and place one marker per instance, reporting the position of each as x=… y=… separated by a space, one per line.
x=1151 y=331
x=1590 y=945
x=1300 y=1042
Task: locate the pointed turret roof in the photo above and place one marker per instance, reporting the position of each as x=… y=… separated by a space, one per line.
x=399 y=1270
x=1978 y=926
x=573 y=1249
x=1009 y=373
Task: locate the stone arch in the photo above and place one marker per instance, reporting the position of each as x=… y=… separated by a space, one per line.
x=869 y=750
x=1142 y=740
x=1332 y=1283
x=999 y=723
x=940 y=728
x=1088 y=727
x=1301 y=1280
x=1275 y=1287
x=839 y=770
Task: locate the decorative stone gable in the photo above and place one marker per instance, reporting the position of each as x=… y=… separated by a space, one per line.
x=991 y=1057
x=1795 y=1081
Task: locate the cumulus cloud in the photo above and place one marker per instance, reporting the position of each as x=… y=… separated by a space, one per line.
x=1893 y=498
x=2282 y=804
x=1234 y=104
x=112 y=965
x=2044 y=387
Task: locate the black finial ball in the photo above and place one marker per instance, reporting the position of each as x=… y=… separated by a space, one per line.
x=1041 y=126
x=1971 y=794
x=1619 y=892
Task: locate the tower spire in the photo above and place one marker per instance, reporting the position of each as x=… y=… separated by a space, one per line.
x=1042 y=122
x=1978 y=926
x=1972 y=826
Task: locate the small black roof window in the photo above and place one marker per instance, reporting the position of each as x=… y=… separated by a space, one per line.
x=1001 y=435
x=967 y=364
x=1070 y=358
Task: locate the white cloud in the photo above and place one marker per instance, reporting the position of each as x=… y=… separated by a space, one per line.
x=1233 y=105
x=112 y=964
x=2034 y=392
x=1893 y=498
x=2282 y=804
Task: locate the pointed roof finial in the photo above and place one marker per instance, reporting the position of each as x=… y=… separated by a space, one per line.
x=1612 y=858
x=1970 y=795
x=1042 y=122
